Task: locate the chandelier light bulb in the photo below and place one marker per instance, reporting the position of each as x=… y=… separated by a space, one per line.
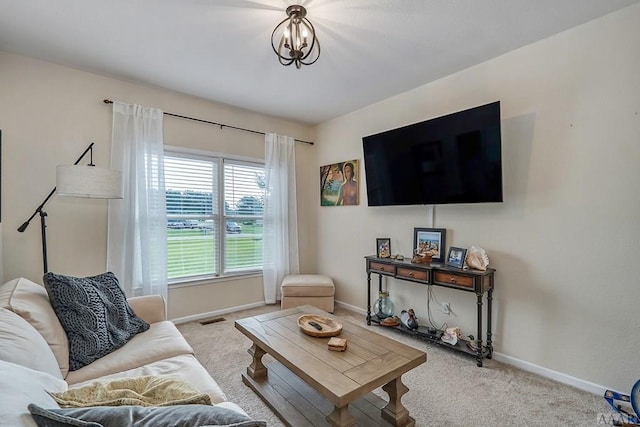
x=290 y=39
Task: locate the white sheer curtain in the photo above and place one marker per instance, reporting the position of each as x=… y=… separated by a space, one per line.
x=137 y=236
x=280 y=244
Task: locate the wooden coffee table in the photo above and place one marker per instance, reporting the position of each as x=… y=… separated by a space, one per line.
x=331 y=381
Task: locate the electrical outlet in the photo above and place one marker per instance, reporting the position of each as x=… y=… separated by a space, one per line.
x=446 y=308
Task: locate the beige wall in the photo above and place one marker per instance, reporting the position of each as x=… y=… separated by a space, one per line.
x=565 y=242
x=49 y=114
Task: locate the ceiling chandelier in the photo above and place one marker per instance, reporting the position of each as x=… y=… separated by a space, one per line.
x=296 y=39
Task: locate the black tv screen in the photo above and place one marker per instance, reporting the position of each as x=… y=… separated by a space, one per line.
x=455 y=158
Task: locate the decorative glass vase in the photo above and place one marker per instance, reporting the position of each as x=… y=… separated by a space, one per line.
x=383 y=307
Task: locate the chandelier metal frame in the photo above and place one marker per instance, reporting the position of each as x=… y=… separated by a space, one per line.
x=294 y=32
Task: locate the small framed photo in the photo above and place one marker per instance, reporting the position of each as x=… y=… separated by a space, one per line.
x=430 y=241
x=383 y=247
x=455 y=257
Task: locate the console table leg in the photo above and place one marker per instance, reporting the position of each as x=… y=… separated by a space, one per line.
x=341 y=417
x=368 y=298
x=489 y=341
x=479 y=336
x=395 y=412
x=256 y=369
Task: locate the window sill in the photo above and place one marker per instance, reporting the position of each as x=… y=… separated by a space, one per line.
x=200 y=281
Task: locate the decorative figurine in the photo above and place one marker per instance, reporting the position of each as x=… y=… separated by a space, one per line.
x=409 y=319
x=419 y=258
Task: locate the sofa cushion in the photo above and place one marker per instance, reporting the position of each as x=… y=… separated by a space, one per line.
x=185 y=367
x=161 y=341
x=150 y=308
x=20 y=386
x=138 y=416
x=21 y=344
x=94 y=313
x=31 y=302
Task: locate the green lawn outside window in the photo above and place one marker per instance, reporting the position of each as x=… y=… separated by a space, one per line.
x=198 y=247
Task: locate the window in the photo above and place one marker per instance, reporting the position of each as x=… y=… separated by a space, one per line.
x=215 y=209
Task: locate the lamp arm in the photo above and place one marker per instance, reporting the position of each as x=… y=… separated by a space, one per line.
x=41 y=206
x=38 y=210
x=89 y=148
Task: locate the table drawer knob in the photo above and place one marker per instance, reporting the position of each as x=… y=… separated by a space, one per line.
x=411 y=273
x=453 y=280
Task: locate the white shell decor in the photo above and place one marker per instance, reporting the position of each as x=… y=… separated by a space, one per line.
x=477 y=258
x=451 y=335
x=454 y=331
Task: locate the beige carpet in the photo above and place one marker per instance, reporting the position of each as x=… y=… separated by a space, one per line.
x=448 y=390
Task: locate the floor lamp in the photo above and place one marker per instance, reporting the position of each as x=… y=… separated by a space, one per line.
x=78 y=181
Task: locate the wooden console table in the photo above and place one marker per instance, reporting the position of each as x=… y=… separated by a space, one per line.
x=474 y=281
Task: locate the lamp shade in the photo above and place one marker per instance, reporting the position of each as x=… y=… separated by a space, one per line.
x=88 y=181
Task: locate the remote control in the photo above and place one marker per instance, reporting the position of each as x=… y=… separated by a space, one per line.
x=316 y=325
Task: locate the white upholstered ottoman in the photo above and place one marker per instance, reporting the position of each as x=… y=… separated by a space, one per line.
x=301 y=289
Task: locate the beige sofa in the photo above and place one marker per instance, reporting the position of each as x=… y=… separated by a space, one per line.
x=34 y=353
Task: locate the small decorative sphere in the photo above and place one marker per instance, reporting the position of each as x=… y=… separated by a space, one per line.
x=383 y=306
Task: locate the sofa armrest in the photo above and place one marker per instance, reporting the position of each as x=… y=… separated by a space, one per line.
x=150 y=308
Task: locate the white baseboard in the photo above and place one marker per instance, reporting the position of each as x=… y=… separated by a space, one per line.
x=351 y=307
x=215 y=313
x=525 y=366
x=503 y=358
x=578 y=383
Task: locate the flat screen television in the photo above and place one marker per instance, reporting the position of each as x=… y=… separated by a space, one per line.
x=455 y=158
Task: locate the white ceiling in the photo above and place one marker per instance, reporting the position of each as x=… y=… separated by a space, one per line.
x=220 y=49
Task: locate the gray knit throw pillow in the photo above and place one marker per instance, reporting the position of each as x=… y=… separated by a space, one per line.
x=94 y=313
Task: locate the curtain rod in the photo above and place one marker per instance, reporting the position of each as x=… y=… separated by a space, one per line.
x=108 y=101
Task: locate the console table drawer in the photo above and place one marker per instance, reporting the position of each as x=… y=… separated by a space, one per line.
x=452 y=279
x=411 y=274
x=382 y=268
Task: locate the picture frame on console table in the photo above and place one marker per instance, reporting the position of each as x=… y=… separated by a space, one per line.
x=456 y=256
x=430 y=241
x=383 y=247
